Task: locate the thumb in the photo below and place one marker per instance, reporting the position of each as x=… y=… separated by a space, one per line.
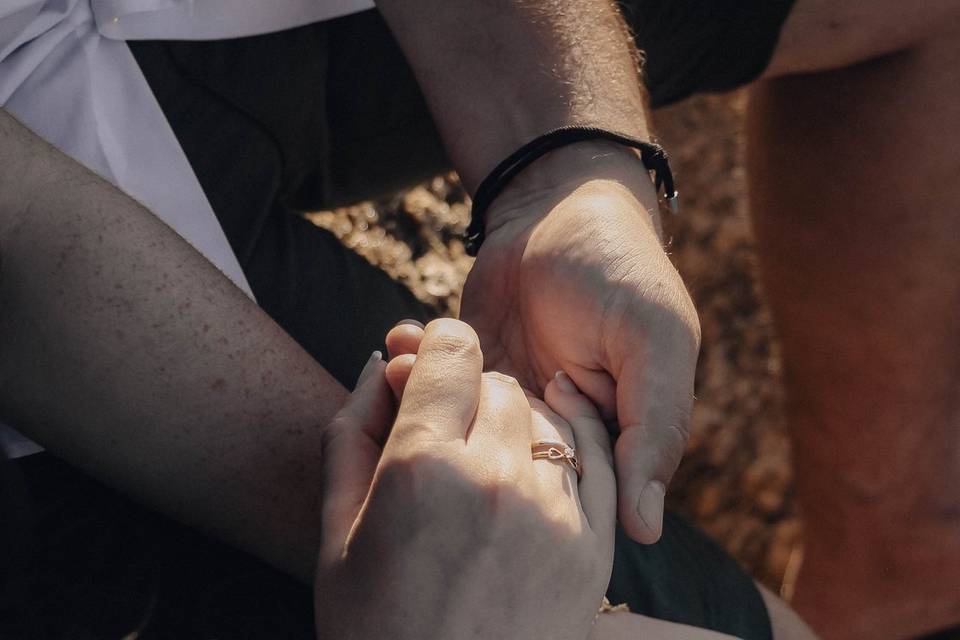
x=351 y=447
x=654 y=402
x=398 y=372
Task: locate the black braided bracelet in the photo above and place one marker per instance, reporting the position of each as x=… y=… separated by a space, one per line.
x=652 y=155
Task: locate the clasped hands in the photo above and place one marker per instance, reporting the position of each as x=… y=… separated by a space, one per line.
x=437 y=521
x=572 y=277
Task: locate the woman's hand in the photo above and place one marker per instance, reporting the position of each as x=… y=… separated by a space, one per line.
x=457 y=532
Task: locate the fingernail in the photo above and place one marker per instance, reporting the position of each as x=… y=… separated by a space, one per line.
x=650 y=505
x=565 y=383
x=369 y=368
x=415 y=323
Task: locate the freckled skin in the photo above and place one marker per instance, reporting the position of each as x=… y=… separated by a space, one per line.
x=92 y=273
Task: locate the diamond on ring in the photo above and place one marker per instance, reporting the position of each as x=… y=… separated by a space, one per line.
x=546 y=450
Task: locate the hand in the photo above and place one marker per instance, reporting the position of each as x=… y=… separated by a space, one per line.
x=572 y=276
x=457 y=532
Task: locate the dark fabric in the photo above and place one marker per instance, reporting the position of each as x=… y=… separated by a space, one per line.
x=15 y=526
x=96 y=565
x=687 y=578
x=253 y=116
x=692 y=46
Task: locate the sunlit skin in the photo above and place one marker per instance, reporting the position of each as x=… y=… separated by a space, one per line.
x=93 y=277
x=452 y=518
x=572 y=274
x=371 y=525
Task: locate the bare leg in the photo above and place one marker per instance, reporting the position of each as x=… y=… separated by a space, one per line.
x=855 y=184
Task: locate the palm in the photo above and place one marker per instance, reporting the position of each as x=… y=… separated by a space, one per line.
x=532 y=318
x=579 y=291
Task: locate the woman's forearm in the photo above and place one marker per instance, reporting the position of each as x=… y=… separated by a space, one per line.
x=129 y=355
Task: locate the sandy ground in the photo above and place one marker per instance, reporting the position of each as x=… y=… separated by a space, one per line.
x=736 y=480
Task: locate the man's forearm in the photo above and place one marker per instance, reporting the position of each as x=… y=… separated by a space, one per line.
x=497 y=73
x=129 y=355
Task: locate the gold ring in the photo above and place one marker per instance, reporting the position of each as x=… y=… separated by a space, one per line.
x=547 y=450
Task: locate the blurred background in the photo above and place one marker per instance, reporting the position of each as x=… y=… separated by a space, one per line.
x=736 y=479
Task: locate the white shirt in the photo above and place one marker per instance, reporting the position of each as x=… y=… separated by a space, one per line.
x=66 y=73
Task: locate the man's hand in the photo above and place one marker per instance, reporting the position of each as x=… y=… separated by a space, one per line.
x=572 y=276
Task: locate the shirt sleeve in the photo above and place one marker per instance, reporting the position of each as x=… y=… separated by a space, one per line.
x=84 y=93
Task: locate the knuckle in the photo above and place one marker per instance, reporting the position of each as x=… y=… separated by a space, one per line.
x=452 y=338
x=503 y=406
x=503 y=395
x=502 y=381
x=455 y=346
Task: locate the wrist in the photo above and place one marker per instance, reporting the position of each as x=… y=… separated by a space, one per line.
x=520 y=120
x=594 y=166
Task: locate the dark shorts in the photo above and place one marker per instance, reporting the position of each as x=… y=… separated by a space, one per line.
x=274 y=125
x=693 y=46
x=78 y=561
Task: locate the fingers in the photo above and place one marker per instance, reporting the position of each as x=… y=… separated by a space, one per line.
x=403 y=341
x=398 y=372
x=597 y=487
x=654 y=400
x=405 y=337
x=547 y=426
x=351 y=446
x=646 y=458
x=502 y=424
x=599 y=387
x=443 y=388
